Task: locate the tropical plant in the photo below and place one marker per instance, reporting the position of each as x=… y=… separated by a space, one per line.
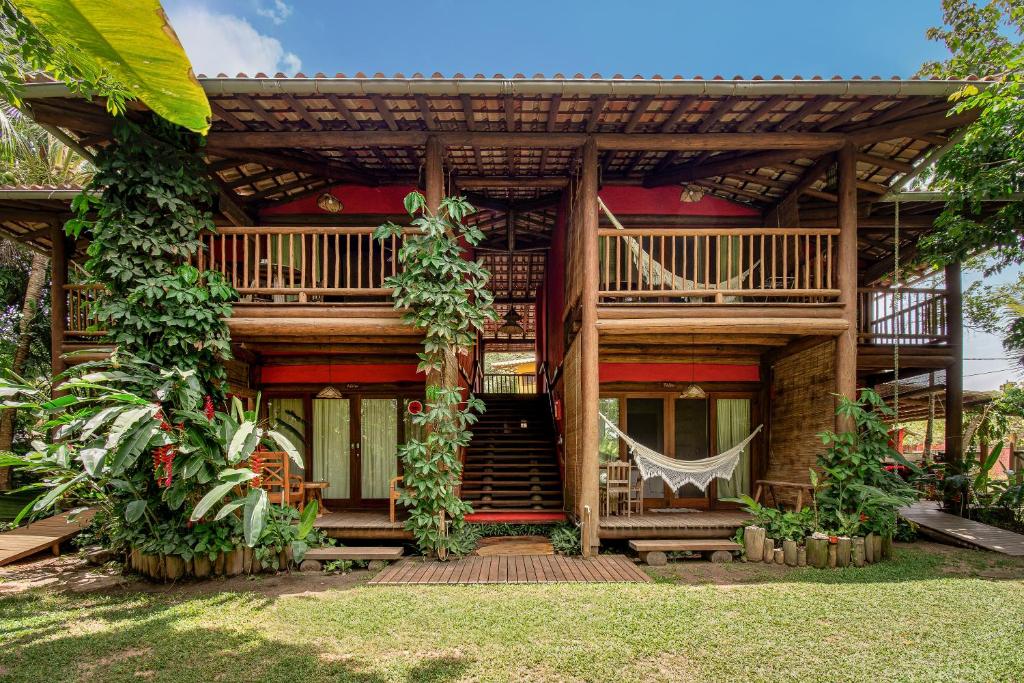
x=147 y=447
x=446 y=296
x=857 y=493
x=143 y=213
x=116 y=49
x=778 y=524
x=565 y=539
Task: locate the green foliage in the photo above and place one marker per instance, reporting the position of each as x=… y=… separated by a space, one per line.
x=287 y=530
x=565 y=539
x=858 y=495
x=984 y=39
x=153 y=202
x=446 y=296
x=118 y=50
x=778 y=524
x=147 y=447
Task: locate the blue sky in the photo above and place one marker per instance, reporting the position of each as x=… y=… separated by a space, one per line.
x=735 y=37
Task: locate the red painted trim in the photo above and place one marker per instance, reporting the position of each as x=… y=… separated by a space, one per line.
x=332 y=374
x=678 y=372
x=664 y=201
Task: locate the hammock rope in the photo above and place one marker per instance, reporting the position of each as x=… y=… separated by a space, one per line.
x=678 y=473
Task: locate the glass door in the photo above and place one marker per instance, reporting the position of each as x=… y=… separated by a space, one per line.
x=733 y=425
x=332 y=446
x=690 y=442
x=378 y=446
x=645 y=422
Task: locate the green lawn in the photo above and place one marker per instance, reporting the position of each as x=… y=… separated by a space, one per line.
x=937 y=616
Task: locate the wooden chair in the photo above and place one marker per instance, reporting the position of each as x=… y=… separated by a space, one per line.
x=635 y=498
x=282 y=487
x=617 y=487
x=394 y=491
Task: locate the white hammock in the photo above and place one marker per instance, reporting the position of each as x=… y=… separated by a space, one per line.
x=657 y=275
x=678 y=473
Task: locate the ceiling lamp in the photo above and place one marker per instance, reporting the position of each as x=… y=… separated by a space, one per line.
x=694 y=392
x=329 y=203
x=691 y=194
x=329 y=392
x=511 y=327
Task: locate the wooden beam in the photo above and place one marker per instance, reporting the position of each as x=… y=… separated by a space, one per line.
x=804 y=183
x=385 y=112
x=691 y=172
x=754 y=117
x=808 y=108
x=345 y=112
x=720 y=109
x=261 y=113
x=839 y=118
x=226 y=116
x=429 y=120
x=597 y=103
x=638 y=113
x=477 y=182
x=875 y=160
x=913 y=127
x=324 y=169
x=433 y=173
x=300 y=109
x=679 y=112
x=846 y=279
x=955 y=373
x=58 y=298
x=589 y=352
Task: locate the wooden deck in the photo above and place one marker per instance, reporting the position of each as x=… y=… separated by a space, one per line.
x=714 y=524
x=512 y=569
x=38 y=536
x=945 y=526
x=362 y=525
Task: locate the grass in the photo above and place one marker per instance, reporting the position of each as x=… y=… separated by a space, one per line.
x=928 y=616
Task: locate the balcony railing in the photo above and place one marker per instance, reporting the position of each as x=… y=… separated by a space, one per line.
x=524 y=383
x=82 y=319
x=697 y=265
x=907 y=316
x=302 y=264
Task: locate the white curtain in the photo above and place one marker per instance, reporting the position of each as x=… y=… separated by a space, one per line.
x=331 y=445
x=379 y=445
x=733 y=426
x=288 y=416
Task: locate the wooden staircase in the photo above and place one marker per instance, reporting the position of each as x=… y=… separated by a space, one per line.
x=511 y=464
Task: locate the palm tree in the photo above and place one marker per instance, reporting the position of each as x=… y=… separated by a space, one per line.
x=30 y=155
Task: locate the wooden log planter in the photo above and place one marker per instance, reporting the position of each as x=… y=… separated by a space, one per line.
x=173 y=567
x=817 y=550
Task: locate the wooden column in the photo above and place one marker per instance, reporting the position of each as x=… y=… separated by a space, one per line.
x=433 y=173
x=589 y=386
x=58 y=298
x=846 y=343
x=955 y=373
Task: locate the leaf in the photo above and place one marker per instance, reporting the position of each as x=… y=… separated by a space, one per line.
x=125 y=422
x=414 y=203
x=134 y=42
x=254 y=516
x=285 y=445
x=211 y=499
x=299 y=550
x=56 y=492
x=229 y=508
x=92 y=459
x=134 y=511
x=243 y=443
x=307 y=520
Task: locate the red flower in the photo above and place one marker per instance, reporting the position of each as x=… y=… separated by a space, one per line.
x=208 y=407
x=864 y=517
x=163 y=463
x=833 y=539
x=256 y=465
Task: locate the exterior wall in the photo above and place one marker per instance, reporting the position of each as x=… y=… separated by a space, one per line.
x=801 y=405
x=572 y=425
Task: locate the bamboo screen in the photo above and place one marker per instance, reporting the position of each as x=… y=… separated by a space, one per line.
x=573 y=428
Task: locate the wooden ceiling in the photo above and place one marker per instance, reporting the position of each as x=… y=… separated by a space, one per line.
x=513 y=143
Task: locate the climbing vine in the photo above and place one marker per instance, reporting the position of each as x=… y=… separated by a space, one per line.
x=143 y=213
x=445 y=295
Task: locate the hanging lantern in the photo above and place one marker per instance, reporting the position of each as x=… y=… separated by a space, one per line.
x=691 y=194
x=414 y=407
x=329 y=203
x=511 y=327
x=693 y=391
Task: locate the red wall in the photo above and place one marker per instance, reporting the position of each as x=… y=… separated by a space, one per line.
x=627 y=200
x=356 y=199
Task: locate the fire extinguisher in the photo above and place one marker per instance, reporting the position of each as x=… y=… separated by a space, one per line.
x=558 y=409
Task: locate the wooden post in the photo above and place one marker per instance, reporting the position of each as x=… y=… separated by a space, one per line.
x=58 y=298
x=589 y=388
x=954 y=455
x=846 y=343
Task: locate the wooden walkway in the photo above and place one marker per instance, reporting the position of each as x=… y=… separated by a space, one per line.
x=38 y=536
x=513 y=569
x=929 y=517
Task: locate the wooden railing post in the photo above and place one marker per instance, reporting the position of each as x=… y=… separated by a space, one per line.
x=955 y=373
x=846 y=343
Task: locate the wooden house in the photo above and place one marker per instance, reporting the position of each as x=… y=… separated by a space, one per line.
x=745 y=280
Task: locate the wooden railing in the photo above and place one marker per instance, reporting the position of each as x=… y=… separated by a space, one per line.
x=82 y=318
x=723 y=265
x=909 y=316
x=282 y=264
x=510 y=384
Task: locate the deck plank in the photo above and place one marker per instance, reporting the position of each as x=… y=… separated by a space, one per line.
x=526 y=569
x=42 y=535
x=927 y=515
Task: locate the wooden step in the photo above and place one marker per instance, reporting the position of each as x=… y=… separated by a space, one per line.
x=356 y=553
x=652 y=551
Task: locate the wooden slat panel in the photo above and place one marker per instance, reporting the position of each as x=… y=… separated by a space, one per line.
x=512 y=569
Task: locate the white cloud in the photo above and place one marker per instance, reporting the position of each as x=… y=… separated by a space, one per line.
x=223 y=43
x=278 y=13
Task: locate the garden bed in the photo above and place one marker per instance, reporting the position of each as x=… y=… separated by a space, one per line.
x=816 y=550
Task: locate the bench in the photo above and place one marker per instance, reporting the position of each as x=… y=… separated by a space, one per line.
x=767 y=487
x=377 y=556
x=652 y=552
